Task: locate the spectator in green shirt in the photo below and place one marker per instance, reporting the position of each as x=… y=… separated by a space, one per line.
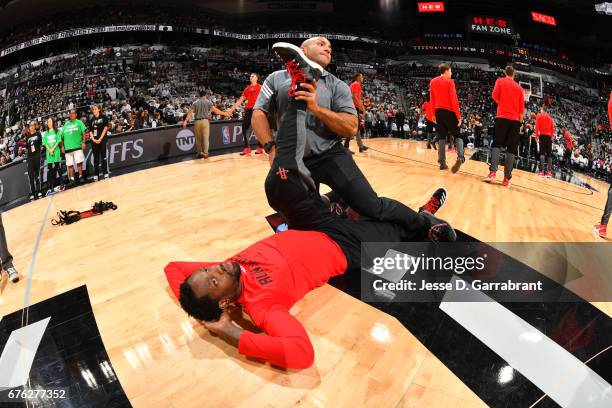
x=72 y=136
x=52 y=143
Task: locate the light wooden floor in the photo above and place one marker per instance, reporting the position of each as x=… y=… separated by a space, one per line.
x=206 y=211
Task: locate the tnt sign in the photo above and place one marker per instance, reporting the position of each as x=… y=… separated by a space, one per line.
x=431 y=7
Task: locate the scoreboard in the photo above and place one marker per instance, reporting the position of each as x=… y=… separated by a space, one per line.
x=520 y=56
x=490 y=25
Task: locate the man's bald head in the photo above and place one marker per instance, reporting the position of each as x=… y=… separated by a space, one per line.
x=310 y=40
x=318 y=49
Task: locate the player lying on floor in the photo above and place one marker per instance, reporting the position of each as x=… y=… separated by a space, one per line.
x=269 y=277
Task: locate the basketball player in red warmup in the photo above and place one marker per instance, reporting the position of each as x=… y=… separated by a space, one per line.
x=249 y=95
x=357 y=93
x=544 y=131
x=601 y=228
x=269 y=277
x=427 y=111
x=510 y=100
x=447 y=117
x=567 y=153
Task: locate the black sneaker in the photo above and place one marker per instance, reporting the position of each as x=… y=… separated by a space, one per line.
x=457 y=165
x=363 y=149
x=443 y=166
x=439 y=230
x=435 y=202
x=297 y=64
x=12 y=274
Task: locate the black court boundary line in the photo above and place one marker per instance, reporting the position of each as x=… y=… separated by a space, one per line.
x=590 y=192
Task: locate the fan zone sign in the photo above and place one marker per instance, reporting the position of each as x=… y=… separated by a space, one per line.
x=490 y=25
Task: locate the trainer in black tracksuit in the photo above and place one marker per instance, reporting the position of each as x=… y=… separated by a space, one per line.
x=325 y=160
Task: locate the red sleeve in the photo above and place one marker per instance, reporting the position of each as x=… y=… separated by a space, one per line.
x=244 y=93
x=552 y=127
x=177 y=272
x=432 y=96
x=495 y=94
x=285 y=344
x=610 y=110
x=353 y=88
x=455 y=99
x=522 y=104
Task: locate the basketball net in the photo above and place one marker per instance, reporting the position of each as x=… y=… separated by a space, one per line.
x=527 y=94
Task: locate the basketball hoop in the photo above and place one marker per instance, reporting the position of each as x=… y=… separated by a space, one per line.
x=527 y=93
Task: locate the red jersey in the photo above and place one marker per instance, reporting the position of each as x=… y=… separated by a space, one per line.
x=443 y=95
x=251 y=93
x=544 y=125
x=356 y=90
x=510 y=99
x=610 y=109
x=568 y=140
x=276 y=272
x=427 y=111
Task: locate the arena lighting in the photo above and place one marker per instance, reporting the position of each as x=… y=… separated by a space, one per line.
x=604 y=8
x=389 y=6
x=431 y=7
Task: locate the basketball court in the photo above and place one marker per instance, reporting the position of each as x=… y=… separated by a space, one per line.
x=136 y=346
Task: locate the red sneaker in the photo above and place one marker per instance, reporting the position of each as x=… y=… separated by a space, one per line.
x=435 y=202
x=491 y=177
x=259 y=150
x=548 y=174
x=300 y=68
x=601 y=230
x=506 y=182
x=246 y=150
x=541 y=174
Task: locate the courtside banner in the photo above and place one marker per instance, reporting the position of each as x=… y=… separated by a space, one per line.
x=503 y=272
x=14 y=182
x=129 y=149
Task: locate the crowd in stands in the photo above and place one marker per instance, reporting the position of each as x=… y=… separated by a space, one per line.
x=147 y=87
x=185 y=17
x=138 y=89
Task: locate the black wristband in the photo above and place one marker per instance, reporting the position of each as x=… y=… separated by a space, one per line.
x=268 y=146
